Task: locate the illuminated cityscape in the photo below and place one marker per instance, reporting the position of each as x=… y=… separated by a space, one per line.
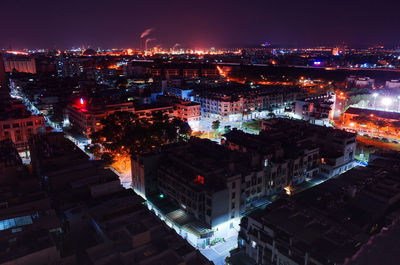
x=217 y=133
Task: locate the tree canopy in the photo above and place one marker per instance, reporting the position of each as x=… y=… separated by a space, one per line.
x=126 y=134
x=215 y=125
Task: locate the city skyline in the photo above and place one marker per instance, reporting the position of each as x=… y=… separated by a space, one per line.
x=196 y=25
x=208 y=133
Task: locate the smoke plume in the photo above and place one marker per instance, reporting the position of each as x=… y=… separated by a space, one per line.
x=146 y=32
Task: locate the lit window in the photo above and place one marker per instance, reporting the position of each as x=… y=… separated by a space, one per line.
x=199 y=179
x=253 y=244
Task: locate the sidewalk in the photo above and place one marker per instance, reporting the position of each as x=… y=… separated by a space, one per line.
x=219 y=252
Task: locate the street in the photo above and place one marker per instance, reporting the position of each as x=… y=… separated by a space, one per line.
x=219 y=252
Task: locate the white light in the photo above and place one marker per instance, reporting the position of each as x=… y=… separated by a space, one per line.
x=386 y=101
x=375 y=95
x=253 y=244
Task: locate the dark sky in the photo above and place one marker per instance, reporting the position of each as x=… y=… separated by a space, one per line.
x=201 y=23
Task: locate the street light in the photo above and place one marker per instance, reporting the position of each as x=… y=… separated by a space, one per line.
x=375 y=95
x=386 y=102
x=398 y=99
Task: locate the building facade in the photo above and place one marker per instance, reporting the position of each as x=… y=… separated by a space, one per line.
x=328 y=224
x=21 y=64
x=17 y=124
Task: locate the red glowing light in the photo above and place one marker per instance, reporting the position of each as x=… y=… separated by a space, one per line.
x=17 y=52
x=199 y=179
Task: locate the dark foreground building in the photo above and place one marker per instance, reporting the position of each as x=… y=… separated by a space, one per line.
x=330 y=223
x=71 y=210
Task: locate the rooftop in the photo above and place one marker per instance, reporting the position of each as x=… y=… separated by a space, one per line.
x=378 y=113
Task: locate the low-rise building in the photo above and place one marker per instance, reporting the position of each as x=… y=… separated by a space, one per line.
x=29 y=225
x=205 y=181
x=18 y=124
x=185 y=110
x=104 y=223
x=316 y=109
x=84 y=117
x=393 y=85
x=288 y=161
x=337 y=147
x=148 y=110
x=22 y=64
x=360 y=82
x=238 y=102
x=327 y=224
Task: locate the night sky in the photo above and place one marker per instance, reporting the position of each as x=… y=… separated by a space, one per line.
x=202 y=23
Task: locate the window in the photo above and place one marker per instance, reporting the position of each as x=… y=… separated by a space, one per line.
x=233 y=205
x=253 y=244
x=6 y=126
x=29 y=123
x=15 y=222
x=233 y=185
x=233 y=195
x=15 y=125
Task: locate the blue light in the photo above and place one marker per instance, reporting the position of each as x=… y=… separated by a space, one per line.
x=317 y=63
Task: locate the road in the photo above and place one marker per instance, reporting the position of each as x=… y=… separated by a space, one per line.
x=312 y=67
x=219 y=252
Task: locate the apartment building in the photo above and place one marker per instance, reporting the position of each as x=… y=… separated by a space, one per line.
x=104 y=223
x=337 y=147
x=18 y=124
x=237 y=102
x=329 y=223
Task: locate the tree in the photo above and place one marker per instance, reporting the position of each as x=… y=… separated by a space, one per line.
x=215 y=125
x=362 y=119
x=124 y=133
x=271 y=115
x=108 y=158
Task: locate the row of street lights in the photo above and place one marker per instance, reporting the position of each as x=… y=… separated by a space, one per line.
x=386 y=101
